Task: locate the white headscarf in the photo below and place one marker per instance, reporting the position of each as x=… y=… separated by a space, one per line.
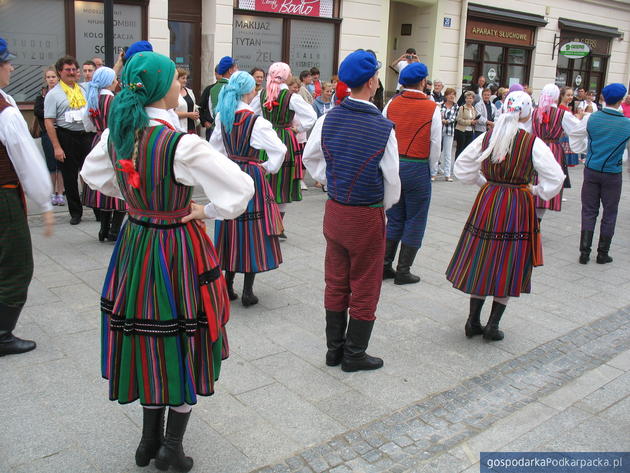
x=549 y=96
x=517 y=105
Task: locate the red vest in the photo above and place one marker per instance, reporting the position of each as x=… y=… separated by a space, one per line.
x=8 y=176
x=412 y=113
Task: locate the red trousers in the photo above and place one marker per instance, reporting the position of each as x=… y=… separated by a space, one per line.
x=355 y=248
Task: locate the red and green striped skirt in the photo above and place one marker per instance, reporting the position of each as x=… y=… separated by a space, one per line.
x=164 y=309
x=499 y=245
x=98 y=200
x=286 y=183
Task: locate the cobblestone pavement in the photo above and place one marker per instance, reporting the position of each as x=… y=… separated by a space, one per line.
x=559 y=380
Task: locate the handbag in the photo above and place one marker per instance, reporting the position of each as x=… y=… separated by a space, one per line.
x=36 y=130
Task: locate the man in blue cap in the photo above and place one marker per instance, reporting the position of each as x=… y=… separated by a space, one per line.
x=353 y=150
x=419 y=133
x=608 y=138
x=21 y=169
x=226 y=67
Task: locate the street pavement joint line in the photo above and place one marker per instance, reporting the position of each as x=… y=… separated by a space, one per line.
x=404 y=439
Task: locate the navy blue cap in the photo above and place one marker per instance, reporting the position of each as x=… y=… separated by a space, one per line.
x=224 y=64
x=614 y=93
x=5 y=55
x=138 y=47
x=358 y=67
x=413 y=73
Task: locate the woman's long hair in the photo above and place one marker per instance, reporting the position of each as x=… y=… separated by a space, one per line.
x=278 y=74
x=517 y=105
x=241 y=83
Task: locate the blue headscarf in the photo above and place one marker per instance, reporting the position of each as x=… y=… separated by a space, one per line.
x=103 y=77
x=241 y=83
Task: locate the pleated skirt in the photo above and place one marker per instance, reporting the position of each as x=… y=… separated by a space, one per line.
x=286 y=183
x=494 y=253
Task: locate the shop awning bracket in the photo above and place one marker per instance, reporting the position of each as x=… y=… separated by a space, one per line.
x=555 y=45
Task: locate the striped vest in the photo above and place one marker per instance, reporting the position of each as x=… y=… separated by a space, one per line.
x=608 y=134
x=237 y=141
x=8 y=176
x=548 y=127
x=412 y=113
x=354 y=138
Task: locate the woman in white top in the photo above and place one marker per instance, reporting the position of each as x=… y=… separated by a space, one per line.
x=187 y=110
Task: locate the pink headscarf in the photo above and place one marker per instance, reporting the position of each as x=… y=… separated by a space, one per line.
x=278 y=74
x=548 y=97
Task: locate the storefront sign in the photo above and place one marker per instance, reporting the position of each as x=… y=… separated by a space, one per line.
x=499 y=33
x=317 y=8
x=492 y=74
x=574 y=50
x=256 y=41
x=89 y=29
x=596 y=44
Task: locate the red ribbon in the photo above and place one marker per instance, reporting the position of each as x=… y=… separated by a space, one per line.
x=270 y=105
x=545 y=117
x=126 y=166
x=93 y=113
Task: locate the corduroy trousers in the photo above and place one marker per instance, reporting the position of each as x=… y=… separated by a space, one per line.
x=601 y=187
x=407 y=219
x=355 y=248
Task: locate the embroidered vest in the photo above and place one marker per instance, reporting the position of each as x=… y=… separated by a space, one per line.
x=354 y=138
x=412 y=114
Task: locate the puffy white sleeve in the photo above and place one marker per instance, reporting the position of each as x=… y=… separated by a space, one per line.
x=576 y=131
x=98 y=170
x=216 y=139
x=436 y=136
x=313 y=156
x=390 y=163
x=467 y=169
x=256 y=105
x=386 y=107
x=26 y=158
x=303 y=112
x=228 y=188
x=550 y=175
x=265 y=137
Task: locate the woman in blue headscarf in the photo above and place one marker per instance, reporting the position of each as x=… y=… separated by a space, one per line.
x=248 y=244
x=99 y=98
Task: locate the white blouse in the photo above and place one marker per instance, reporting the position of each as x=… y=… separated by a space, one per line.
x=196 y=163
x=550 y=176
x=263 y=137
x=27 y=160
x=304 y=113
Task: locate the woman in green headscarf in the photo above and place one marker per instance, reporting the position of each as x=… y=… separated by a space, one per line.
x=164 y=302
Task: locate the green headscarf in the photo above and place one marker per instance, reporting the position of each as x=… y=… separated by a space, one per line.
x=146 y=78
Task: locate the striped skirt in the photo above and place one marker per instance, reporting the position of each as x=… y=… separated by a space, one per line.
x=16 y=252
x=164 y=309
x=497 y=248
x=249 y=243
x=97 y=200
x=286 y=183
x=554 y=203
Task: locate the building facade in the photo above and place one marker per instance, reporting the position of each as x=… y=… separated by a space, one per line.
x=507 y=41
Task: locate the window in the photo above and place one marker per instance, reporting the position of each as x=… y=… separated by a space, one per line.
x=37 y=44
x=501 y=65
x=587 y=72
x=256 y=41
x=312 y=45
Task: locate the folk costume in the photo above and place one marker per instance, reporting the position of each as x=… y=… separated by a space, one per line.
x=22 y=170
x=418 y=125
x=280 y=106
x=99 y=100
x=549 y=123
x=248 y=244
x=500 y=242
x=164 y=301
x=353 y=150
x=608 y=137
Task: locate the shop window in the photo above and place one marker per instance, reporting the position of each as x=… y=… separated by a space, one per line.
x=256 y=41
x=182 y=49
x=312 y=45
x=502 y=66
x=471 y=52
x=35 y=47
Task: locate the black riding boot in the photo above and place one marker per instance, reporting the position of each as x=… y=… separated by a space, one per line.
x=248 y=298
x=403 y=270
x=117 y=220
x=152 y=435
x=282 y=236
x=357 y=340
x=491 y=330
x=106 y=219
x=586 y=240
x=229 y=279
x=390 y=253
x=171 y=453
x=602 y=249
x=336 y=323
x=473 y=324
x=9 y=343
